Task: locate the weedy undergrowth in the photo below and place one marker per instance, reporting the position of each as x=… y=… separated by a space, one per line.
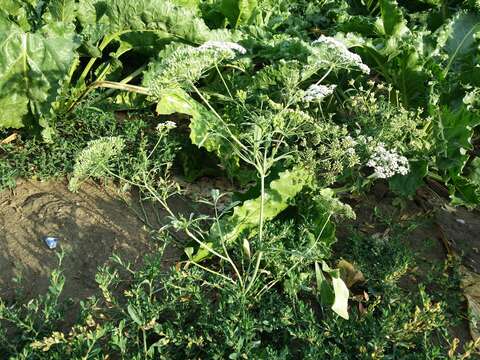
x=296 y=102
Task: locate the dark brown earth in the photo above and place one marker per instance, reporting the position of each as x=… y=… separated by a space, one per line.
x=92 y=224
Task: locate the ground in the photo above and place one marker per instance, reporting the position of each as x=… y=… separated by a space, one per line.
x=92 y=225
x=97 y=222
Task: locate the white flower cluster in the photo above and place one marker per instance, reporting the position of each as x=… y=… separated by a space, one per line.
x=341 y=52
x=318 y=92
x=350 y=144
x=166 y=125
x=94 y=160
x=224 y=46
x=387 y=163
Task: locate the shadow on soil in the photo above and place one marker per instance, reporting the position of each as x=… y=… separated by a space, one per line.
x=92 y=224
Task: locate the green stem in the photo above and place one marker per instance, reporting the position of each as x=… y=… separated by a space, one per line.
x=106 y=40
x=255 y=272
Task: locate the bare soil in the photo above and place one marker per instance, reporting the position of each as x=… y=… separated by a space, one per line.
x=92 y=224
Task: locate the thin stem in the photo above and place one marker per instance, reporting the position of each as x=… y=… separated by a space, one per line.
x=206 y=246
x=225 y=248
x=105 y=41
x=325 y=75
x=212 y=272
x=255 y=272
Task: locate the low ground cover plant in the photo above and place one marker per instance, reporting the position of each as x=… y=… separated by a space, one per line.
x=295 y=103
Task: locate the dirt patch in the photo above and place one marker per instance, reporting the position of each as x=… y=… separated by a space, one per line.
x=92 y=224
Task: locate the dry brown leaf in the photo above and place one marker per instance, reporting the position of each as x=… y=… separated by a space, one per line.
x=9 y=139
x=349 y=274
x=470 y=283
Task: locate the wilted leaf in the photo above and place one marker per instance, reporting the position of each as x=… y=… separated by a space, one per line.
x=349 y=274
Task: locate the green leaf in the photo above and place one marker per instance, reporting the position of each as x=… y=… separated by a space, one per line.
x=203 y=124
x=393 y=22
x=162 y=17
x=464 y=192
x=18 y=11
x=190 y=4
x=238 y=12
x=134 y=315
x=62 y=10
x=324 y=289
x=246 y=217
x=454 y=132
x=474 y=175
x=408 y=184
x=457 y=37
x=205 y=129
x=32 y=68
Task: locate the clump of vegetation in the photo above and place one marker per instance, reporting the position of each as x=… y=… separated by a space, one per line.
x=295 y=102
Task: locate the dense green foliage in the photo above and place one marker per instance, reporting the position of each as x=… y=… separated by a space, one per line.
x=294 y=102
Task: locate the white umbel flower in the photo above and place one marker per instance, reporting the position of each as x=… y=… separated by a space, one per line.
x=223 y=46
x=339 y=50
x=387 y=163
x=318 y=92
x=166 y=125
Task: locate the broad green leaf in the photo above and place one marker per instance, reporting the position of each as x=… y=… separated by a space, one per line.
x=190 y=4
x=62 y=10
x=457 y=37
x=392 y=18
x=238 y=12
x=278 y=195
x=18 y=11
x=162 y=17
x=205 y=130
x=464 y=192
x=454 y=132
x=408 y=184
x=474 y=175
x=246 y=217
x=32 y=68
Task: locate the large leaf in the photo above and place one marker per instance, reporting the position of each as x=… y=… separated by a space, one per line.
x=239 y=12
x=32 y=68
x=392 y=18
x=407 y=185
x=457 y=37
x=62 y=10
x=454 y=134
x=18 y=11
x=161 y=17
x=206 y=129
x=277 y=197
